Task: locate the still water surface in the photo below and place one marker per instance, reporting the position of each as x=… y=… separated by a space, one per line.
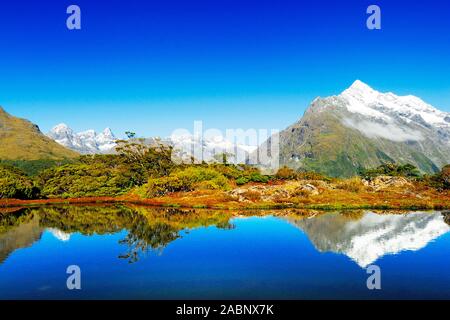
x=149 y=253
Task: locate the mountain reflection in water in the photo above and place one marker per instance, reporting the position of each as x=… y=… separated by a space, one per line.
x=135 y=252
x=366 y=237
x=363 y=236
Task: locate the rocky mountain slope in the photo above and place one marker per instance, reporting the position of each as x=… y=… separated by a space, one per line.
x=362 y=128
x=22 y=140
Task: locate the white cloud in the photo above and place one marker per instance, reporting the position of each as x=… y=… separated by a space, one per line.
x=387 y=131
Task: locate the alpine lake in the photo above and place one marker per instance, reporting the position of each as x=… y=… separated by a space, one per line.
x=137 y=252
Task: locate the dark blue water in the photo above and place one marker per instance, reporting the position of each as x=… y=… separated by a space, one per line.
x=143 y=253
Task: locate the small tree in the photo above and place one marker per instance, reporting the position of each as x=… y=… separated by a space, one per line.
x=223 y=157
x=286 y=173
x=146 y=158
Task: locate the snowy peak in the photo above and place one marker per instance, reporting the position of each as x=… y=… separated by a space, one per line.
x=86 y=142
x=209 y=148
x=359 y=88
x=62 y=128
x=388 y=107
x=107 y=133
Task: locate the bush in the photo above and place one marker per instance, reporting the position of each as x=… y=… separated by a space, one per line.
x=188 y=179
x=252 y=195
x=230 y=171
x=441 y=180
x=15 y=184
x=85 y=180
x=242 y=180
x=391 y=169
x=257 y=177
x=286 y=173
x=145 y=159
x=252 y=177
x=353 y=185
x=157 y=187
x=310 y=175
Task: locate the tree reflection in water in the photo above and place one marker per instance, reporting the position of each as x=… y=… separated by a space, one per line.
x=148 y=229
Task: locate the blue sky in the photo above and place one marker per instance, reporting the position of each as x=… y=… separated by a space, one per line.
x=154 y=66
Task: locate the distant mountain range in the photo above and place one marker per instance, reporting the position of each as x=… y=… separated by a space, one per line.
x=22 y=140
x=86 y=142
x=362 y=128
x=337 y=136
x=206 y=149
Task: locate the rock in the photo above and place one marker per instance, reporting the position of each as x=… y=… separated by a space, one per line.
x=311 y=189
x=384 y=182
x=273 y=193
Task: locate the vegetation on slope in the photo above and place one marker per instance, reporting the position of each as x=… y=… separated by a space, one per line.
x=22 y=140
x=320 y=142
x=15 y=184
x=139 y=172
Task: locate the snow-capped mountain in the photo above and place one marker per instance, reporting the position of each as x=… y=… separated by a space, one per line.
x=367 y=238
x=388 y=112
x=185 y=146
x=362 y=128
x=86 y=142
x=209 y=149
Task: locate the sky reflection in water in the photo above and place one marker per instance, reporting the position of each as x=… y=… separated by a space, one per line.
x=169 y=253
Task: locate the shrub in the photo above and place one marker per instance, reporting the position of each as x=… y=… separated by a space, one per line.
x=441 y=180
x=310 y=175
x=353 y=185
x=257 y=177
x=252 y=195
x=15 y=184
x=242 y=180
x=85 y=180
x=188 y=179
x=157 y=187
x=286 y=173
x=391 y=169
x=229 y=171
x=144 y=159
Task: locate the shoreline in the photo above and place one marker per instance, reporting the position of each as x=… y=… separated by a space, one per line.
x=171 y=202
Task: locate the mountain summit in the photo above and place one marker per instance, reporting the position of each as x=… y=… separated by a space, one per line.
x=86 y=142
x=362 y=128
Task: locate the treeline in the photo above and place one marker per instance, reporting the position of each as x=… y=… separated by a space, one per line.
x=149 y=172
x=147 y=169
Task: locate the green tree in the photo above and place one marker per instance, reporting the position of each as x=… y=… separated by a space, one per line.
x=14 y=183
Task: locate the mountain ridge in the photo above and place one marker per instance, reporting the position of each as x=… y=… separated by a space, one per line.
x=20 y=139
x=85 y=142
